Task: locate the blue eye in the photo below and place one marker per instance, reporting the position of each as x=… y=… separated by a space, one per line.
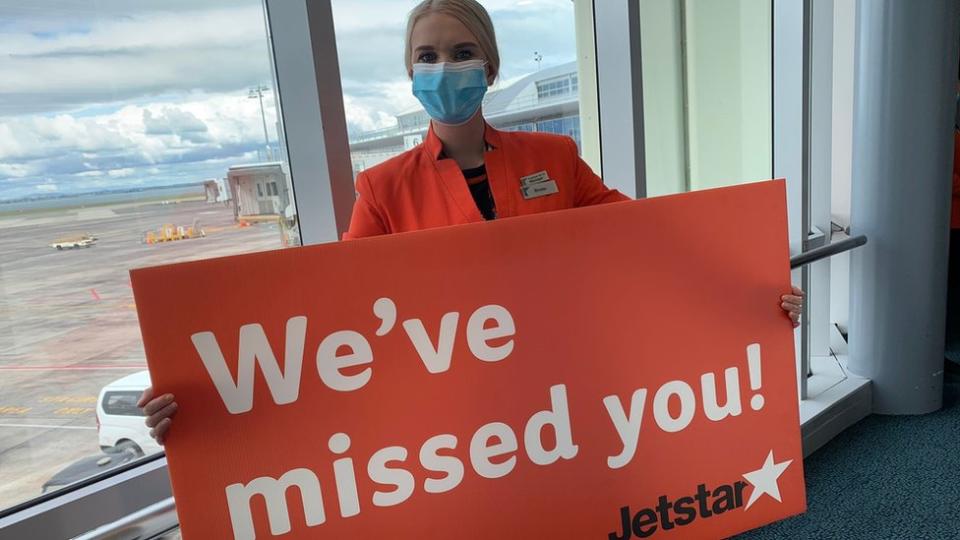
x=427 y=58
x=465 y=54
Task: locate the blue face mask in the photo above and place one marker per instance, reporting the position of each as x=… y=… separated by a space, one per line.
x=450 y=92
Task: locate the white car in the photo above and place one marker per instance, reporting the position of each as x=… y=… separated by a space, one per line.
x=120 y=422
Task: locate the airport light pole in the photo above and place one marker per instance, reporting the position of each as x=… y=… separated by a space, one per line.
x=258 y=94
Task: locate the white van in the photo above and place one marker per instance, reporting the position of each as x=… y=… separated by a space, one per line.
x=120 y=422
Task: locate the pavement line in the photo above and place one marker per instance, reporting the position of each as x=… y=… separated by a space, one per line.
x=72 y=367
x=73 y=410
x=45 y=426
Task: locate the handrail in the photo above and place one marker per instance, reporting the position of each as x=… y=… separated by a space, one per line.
x=828 y=250
x=91 y=480
x=144 y=523
x=800 y=261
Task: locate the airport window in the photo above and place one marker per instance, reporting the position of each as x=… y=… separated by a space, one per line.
x=111 y=160
x=562 y=126
x=554 y=88
x=383 y=116
x=707 y=98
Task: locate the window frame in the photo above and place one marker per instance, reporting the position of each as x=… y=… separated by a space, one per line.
x=311 y=110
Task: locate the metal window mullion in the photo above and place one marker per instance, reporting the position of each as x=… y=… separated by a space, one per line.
x=788 y=121
x=620 y=91
x=311 y=102
x=806 y=164
x=685 y=105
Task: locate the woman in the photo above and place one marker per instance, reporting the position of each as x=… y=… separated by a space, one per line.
x=465 y=171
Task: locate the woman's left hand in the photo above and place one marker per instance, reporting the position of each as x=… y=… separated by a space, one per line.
x=793 y=305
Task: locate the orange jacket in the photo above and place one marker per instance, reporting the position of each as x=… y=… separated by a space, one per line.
x=416 y=190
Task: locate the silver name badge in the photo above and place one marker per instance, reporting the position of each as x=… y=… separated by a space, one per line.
x=537 y=178
x=540 y=189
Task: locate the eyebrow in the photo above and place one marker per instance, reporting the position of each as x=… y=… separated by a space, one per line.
x=463 y=45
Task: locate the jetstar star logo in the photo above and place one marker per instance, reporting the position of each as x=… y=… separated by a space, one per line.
x=703 y=504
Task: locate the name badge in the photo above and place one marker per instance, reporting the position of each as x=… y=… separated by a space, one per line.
x=537 y=178
x=540 y=189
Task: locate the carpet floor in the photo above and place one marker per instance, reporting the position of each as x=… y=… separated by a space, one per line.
x=887 y=477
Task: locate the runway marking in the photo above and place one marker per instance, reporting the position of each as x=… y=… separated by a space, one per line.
x=73 y=410
x=44 y=426
x=14 y=410
x=68 y=399
x=73 y=367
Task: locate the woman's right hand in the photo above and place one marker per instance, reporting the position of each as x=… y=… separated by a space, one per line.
x=159 y=412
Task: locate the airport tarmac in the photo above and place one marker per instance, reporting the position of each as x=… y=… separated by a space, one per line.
x=68 y=324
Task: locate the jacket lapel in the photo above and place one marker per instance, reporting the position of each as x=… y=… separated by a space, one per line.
x=495 y=160
x=451 y=179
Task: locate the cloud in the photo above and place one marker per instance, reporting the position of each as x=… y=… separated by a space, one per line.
x=114 y=56
x=155 y=143
x=172 y=121
x=377 y=105
x=15 y=170
x=49 y=187
x=121 y=173
x=151 y=92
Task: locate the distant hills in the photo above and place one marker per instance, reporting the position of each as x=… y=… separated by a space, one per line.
x=56 y=196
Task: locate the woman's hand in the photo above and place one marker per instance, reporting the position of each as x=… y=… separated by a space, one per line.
x=159 y=412
x=793 y=305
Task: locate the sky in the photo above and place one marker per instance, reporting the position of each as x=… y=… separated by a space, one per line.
x=111 y=94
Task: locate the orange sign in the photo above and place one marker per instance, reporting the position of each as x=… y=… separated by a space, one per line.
x=619 y=371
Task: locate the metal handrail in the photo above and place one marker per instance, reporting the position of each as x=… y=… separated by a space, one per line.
x=828 y=250
x=800 y=261
x=144 y=523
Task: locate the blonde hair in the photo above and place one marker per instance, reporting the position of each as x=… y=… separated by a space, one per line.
x=468 y=12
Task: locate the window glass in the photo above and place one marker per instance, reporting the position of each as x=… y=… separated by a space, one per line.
x=131 y=134
x=707 y=93
x=121 y=403
x=537 y=82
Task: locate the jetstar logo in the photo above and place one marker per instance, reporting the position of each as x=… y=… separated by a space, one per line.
x=703 y=504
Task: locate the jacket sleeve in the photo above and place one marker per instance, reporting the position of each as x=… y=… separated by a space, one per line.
x=367 y=219
x=589 y=187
